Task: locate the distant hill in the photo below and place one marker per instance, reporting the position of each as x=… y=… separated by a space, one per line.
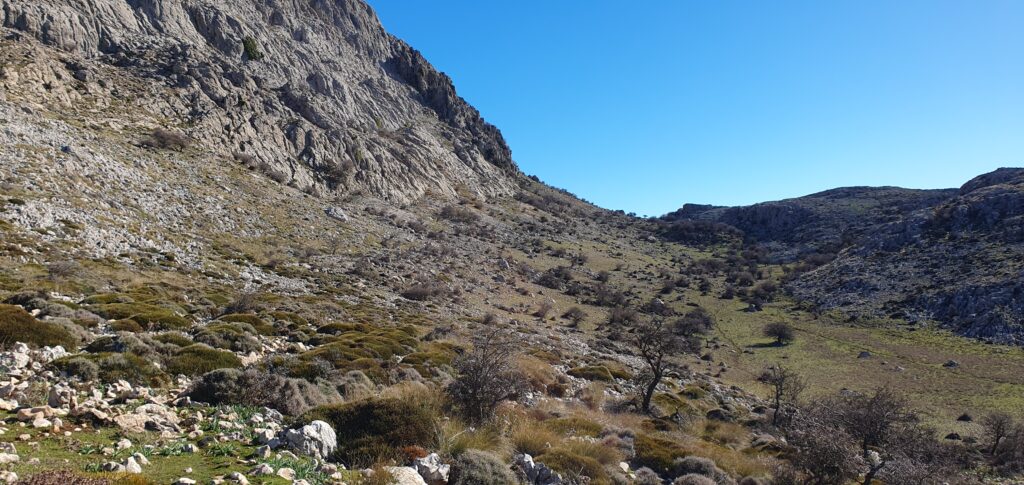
x=950 y=256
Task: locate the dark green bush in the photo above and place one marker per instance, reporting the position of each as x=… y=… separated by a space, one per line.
x=17 y=325
x=656 y=453
x=475 y=467
x=372 y=430
x=126 y=325
x=258 y=324
x=237 y=336
x=254 y=387
x=113 y=367
x=198 y=359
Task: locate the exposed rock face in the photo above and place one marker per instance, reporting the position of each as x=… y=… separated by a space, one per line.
x=314 y=92
x=946 y=256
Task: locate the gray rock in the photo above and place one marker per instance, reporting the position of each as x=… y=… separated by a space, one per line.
x=536 y=473
x=316 y=439
x=432 y=470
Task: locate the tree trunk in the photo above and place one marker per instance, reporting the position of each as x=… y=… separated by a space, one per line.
x=649 y=392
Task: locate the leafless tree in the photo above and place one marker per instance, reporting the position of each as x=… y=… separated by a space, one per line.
x=824 y=451
x=487 y=375
x=997 y=426
x=655 y=342
x=786 y=387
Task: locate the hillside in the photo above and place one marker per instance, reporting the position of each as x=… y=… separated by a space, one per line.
x=947 y=257
x=264 y=241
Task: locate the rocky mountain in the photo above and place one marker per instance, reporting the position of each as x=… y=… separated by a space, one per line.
x=816 y=223
x=948 y=256
x=314 y=93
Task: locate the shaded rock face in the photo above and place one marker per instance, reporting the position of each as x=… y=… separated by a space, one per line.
x=314 y=92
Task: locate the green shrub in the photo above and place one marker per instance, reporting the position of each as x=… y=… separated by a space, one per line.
x=257 y=323
x=372 y=430
x=259 y=388
x=112 y=367
x=107 y=298
x=693 y=479
x=252 y=49
x=656 y=453
x=701 y=466
x=199 y=359
x=572 y=464
x=126 y=325
x=174 y=338
x=161 y=320
x=592 y=373
x=573 y=425
x=82 y=368
x=475 y=467
x=232 y=336
x=17 y=325
x=117 y=311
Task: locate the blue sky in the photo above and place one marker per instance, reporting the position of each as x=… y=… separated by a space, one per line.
x=643 y=106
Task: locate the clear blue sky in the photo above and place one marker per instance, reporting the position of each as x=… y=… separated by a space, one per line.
x=643 y=106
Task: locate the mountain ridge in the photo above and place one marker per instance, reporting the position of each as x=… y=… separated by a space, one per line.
x=317 y=93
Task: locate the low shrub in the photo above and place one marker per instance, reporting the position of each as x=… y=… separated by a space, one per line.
x=165 y=139
x=258 y=324
x=475 y=467
x=258 y=388
x=17 y=325
x=693 y=479
x=571 y=464
x=111 y=367
x=231 y=336
x=373 y=430
x=573 y=426
x=657 y=453
x=701 y=466
x=161 y=320
x=199 y=359
x=126 y=325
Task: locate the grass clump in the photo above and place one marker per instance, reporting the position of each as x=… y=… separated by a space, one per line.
x=373 y=430
x=17 y=325
x=475 y=467
x=199 y=359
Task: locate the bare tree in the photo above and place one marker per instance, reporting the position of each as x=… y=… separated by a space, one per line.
x=487 y=375
x=786 y=387
x=655 y=342
x=824 y=451
x=997 y=426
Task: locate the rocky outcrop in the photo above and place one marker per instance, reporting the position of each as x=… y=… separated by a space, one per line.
x=316 y=94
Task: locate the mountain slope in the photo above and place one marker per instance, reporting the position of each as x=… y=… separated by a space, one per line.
x=947 y=256
x=316 y=93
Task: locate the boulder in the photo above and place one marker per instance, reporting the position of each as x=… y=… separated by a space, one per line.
x=536 y=473
x=431 y=469
x=316 y=439
x=404 y=475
